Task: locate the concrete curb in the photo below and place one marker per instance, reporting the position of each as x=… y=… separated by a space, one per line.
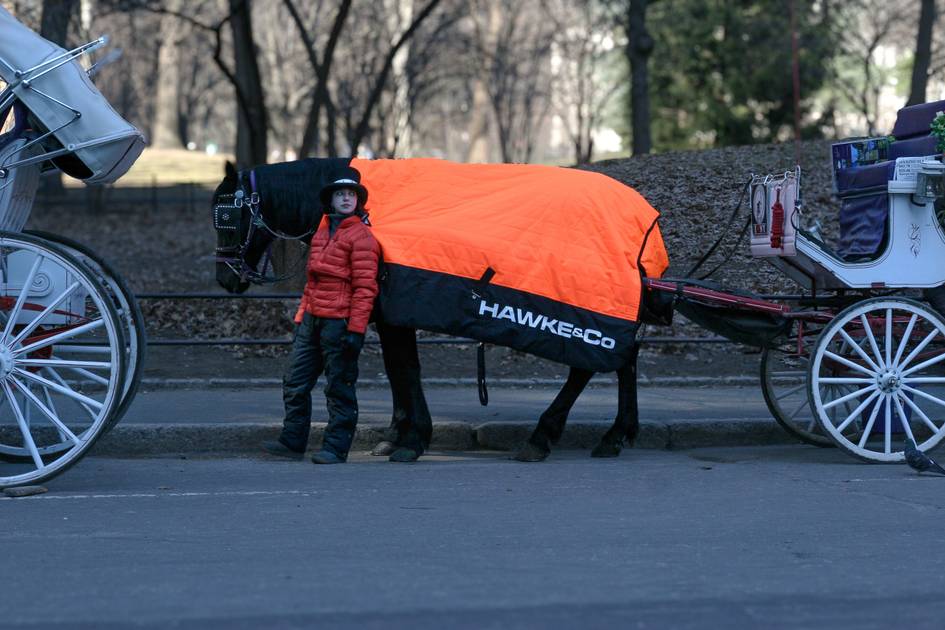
x=146 y=440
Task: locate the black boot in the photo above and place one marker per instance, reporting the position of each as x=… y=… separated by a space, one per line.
x=277 y=448
x=325 y=456
x=383 y=449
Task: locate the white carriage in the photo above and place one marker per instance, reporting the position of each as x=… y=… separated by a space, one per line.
x=71 y=335
x=863 y=366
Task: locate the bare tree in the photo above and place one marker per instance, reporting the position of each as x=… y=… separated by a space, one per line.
x=244 y=77
x=165 y=131
x=487 y=27
x=582 y=45
x=321 y=97
x=639 y=48
x=358 y=132
x=253 y=126
x=516 y=65
x=865 y=26
x=202 y=118
x=431 y=81
x=57 y=14
x=923 y=53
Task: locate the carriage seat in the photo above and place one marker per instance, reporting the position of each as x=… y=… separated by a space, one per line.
x=915 y=120
x=864 y=208
x=864 y=202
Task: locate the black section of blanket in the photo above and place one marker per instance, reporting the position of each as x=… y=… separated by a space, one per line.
x=459 y=306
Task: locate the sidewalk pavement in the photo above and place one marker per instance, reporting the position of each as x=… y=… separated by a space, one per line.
x=213 y=421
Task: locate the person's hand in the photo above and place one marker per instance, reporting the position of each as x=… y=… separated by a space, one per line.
x=351 y=345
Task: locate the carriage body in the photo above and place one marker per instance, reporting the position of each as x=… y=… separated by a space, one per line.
x=911 y=252
x=857 y=360
x=71 y=335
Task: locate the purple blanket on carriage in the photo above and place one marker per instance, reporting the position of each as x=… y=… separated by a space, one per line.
x=864 y=202
x=864 y=207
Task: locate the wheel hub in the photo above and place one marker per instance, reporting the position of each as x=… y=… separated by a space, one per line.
x=889 y=382
x=6 y=362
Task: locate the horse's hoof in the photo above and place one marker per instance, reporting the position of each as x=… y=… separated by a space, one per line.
x=530 y=453
x=404 y=455
x=607 y=449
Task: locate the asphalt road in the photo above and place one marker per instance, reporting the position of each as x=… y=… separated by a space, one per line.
x=750 y=537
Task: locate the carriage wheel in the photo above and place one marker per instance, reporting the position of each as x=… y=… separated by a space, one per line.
x=62 y=359
x=784 y=386
x=890 y=354
x=135 y=337
x=784 y=370
x=128 y=310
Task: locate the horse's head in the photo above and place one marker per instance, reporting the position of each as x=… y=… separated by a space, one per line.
x=238 y=247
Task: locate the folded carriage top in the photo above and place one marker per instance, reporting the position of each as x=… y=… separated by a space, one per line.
x=90 y=140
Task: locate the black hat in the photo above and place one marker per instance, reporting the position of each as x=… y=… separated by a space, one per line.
x=347 y=177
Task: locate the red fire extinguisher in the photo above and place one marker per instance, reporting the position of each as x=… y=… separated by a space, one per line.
x=777 y=220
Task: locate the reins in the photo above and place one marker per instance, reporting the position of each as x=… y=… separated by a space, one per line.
x=718 y=242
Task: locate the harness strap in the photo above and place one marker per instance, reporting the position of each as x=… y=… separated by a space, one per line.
x=481 y=374
x=480 y=287
x=724 y=232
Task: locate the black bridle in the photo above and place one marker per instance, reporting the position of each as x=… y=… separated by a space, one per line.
x=228 y=216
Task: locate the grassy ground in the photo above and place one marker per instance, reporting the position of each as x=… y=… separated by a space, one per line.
x=164 y=167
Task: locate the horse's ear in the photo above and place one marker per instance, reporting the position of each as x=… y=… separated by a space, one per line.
x=229 y=171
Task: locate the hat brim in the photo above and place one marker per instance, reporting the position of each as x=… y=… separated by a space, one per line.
x=329 y=189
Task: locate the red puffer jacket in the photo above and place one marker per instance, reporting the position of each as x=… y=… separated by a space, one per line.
x=342 y=274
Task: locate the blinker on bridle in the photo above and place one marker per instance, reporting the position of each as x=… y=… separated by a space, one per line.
x=228 y=216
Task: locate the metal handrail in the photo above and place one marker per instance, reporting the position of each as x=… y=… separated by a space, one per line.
x=420 y=341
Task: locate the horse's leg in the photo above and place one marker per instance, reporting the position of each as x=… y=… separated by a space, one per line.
x=393 y=361
x=552 y=421
x=411 y=426
x=627 y=423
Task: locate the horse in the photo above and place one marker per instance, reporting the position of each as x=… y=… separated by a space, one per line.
x=253 y=208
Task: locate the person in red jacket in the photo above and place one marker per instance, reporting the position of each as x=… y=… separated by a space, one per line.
x=332 y=318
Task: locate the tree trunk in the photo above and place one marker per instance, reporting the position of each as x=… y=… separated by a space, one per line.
x=479 y=118
x=54 y=26
x=479 y=124
x=361 y=130
x=322 y=69
x=252 y=127
x=639 y=49
x=400 y=139
x=923 y=53
x=165 y=128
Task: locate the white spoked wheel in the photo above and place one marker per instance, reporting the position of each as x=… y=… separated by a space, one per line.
x=127 y=308
x=62 y=359
x=134 y=334
x=784 y=386
x=881 y=363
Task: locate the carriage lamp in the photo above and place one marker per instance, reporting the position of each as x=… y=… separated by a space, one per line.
x=929 y=182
